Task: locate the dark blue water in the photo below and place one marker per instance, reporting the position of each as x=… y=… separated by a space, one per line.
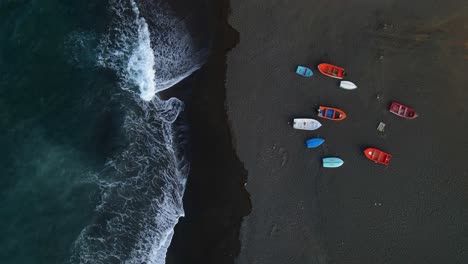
x=90 y=168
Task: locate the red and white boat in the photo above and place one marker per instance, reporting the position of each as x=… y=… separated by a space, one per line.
x=331 y=70
x=403 y=111
x=378 y=156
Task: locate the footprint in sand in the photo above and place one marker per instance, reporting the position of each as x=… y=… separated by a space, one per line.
x=274 y=157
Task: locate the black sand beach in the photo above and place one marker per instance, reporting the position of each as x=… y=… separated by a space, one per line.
x=413 y=211
x=410 y=212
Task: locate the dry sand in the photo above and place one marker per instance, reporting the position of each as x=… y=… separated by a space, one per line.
x=414 y=52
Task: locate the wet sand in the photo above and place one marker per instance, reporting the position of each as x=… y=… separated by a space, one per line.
x=413 y=211
x=215 y=199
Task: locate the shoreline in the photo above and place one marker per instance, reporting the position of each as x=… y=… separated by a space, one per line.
x=215 y=199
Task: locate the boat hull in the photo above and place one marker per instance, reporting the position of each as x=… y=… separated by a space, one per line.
x=314 y=142
x=306 y=124
x=331 y=70
x=347 y=85
x=304 y=71
x=377 y=156
x=332 y=162
x=402 y=111
x=331 y=113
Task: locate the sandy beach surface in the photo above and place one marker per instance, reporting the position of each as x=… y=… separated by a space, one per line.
x=413 y=52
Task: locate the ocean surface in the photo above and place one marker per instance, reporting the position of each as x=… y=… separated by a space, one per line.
x=92 y=165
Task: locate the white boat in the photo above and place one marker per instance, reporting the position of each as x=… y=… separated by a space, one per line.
x=347 y=85
x=306 y=124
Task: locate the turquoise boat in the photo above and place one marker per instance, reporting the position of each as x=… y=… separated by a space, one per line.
x=304 y=71
x=314 y=142
x=332 y=162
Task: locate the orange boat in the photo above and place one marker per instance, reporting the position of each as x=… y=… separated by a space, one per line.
x=331 y=113
x=377 y=156
x=331 y=70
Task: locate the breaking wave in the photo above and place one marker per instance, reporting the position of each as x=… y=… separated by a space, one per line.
x=150 y=62
x=141 y=194
x=142 y=187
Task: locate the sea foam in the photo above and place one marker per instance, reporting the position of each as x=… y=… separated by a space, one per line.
x=141 y=187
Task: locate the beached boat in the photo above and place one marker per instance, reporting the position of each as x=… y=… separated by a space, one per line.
x=304 y=71
x=314 y=142
x=306 y=124
x=377 y=156
x=403 y=111
x=331 y=113
x=347 y=85
x=332 y=162
x=331 y=70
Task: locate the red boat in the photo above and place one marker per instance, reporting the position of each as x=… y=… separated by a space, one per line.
x=403 y=111
x=331 y=70
x=377 y=156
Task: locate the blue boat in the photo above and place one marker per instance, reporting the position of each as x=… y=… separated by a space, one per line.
x=314 y=142
x=304 y=71
x=332 y=162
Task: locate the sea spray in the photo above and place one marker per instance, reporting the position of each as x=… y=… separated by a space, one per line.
x=141 y=186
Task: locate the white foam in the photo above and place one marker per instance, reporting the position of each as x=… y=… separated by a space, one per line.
x=141 y=195
x=141 y=187
x=140 y=67
x=150 y=59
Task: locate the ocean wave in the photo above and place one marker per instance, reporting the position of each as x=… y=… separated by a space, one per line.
x=141 y=195
x=149 y=59
x=142 y=186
